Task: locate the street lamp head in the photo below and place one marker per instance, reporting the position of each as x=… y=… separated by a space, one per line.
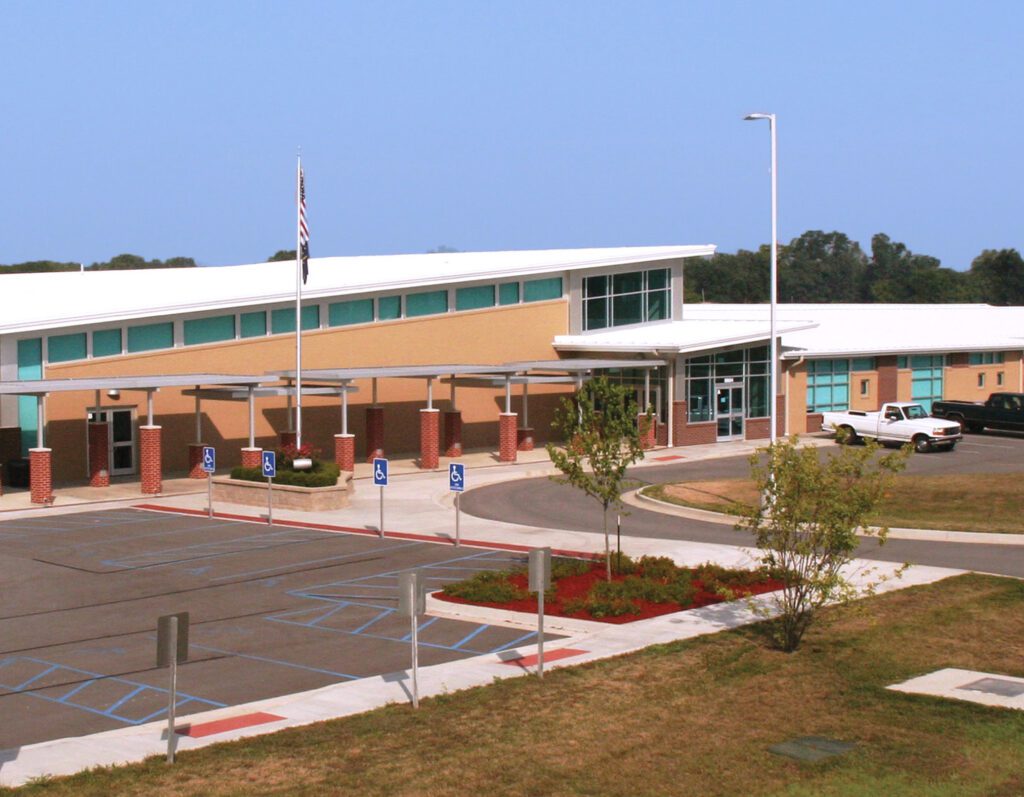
x=750 y=117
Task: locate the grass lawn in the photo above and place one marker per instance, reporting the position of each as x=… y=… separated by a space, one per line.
x=964 y=502
x=691 y=718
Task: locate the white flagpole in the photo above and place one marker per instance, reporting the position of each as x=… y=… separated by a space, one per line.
x=298 y=305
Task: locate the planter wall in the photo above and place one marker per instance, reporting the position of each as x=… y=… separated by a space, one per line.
x=285 y=496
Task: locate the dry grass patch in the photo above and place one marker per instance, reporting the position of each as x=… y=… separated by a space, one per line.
x=963 y=502
x=689 y=718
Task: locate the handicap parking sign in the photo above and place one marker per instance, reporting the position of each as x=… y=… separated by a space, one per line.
x=269 y=464
x=456 y=477
x=380 y=472
x=209 y=459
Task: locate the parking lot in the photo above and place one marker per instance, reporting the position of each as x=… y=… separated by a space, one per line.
x=273 y=611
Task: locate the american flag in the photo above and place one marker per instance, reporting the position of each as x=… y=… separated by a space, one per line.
x=303 y=229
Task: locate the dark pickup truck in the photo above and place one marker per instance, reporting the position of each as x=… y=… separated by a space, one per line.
x=1001 y=411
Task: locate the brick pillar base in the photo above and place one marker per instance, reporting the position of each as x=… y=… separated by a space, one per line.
x=99 y=455
x=647 y=431
x=430 y=438
x=40 y=475
x=252 y=457
x=507 y=437
x=524 y=438
x=453 y=433
x=195 y=461
x=151 y=457
x=374 y=433
x=345 y=451
x=287 y=438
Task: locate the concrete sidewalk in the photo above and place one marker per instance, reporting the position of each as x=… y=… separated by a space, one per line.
x=419 y=506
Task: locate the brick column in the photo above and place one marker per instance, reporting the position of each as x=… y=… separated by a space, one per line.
x=40 y=475
x=678 y=421
x=507 y=437
x=99 y=455
x=887 y=379
x=780 y=416
x=287 y=438
x=345 y=451
x=252 y=457
x=195 y=461
x=647 y=431
x=453 y=433
x=430 y=438
x=524 y=438
x=374 y=433
x=151 y=457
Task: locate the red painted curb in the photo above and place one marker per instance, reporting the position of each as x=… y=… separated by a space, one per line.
x=225 y=725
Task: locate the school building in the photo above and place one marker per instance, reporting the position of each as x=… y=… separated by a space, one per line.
x=129 y=373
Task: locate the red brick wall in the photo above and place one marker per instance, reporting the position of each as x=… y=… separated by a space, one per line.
x=647 y=430
x=430 y=438
x=507 y=436
x=814 y=422
x=960 y=359
x=887 y=375
x=99 y=455
x=453 y=433
x=661 y=434
x=151 y=460
x=195 y=461
x=345 y=451
x=41 y=475
x=524 y=438
x=252 y=457
x=690 y=434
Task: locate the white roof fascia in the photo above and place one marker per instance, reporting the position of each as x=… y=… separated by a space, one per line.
x=579 y=343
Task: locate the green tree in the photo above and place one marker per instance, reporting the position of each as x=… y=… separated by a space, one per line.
x=897 y=275
x=740 y=278
x=38 y=266
x=807 y=528
x=821 y=267
x=997 y=277
x=282 y=254
x=602 y=439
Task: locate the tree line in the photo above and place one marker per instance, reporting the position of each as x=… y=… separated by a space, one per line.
x=118 y=263
x=829 y=267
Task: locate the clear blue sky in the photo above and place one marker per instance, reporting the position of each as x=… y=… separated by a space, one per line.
x=170 y=128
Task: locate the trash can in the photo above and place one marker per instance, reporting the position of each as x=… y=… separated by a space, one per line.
x=17 y=473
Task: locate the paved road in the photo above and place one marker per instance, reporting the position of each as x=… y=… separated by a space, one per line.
x=273 y=611
x=541 y=502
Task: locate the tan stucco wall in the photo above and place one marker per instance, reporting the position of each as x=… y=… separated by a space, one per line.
x=494 y=335
x=904 y=384
x=869 y=402
x=796 y=398
x=962 y=383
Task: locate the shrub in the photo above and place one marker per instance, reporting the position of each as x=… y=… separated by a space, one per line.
x=490 y=586
x=658 y=567
x=322 y=474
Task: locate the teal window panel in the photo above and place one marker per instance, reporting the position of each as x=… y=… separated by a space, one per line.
x=106 y=342
x=389 y=307
x=539 y=290
x=253 y=325
x=657 y=305
x=358 y=311
x=283 y=319
x=209 y=330
x=862 y=364
x=474 y=298
x=508 y=293
x=150 y=337
x=30 y=359
x=986 y=358
x=901 y=361
x=30 y=366
x=62 y=348
x=428 y=303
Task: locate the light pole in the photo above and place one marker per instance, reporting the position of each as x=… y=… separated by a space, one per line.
x=773 y=280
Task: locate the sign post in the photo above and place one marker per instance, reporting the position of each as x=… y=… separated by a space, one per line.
x=209 y=465
x=380 y=478
x=540 y=582
x=270 y=471
x=412 y=602
x=457 y=483
x=172 y=650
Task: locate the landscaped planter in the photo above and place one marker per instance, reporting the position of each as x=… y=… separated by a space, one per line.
x=285 y=496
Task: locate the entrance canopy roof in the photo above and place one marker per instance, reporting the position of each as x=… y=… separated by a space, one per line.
x=681 y=337
x=235 y=394
x=40 y=387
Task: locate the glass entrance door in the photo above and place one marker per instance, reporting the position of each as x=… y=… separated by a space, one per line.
x=729 y=411
x=121 y=439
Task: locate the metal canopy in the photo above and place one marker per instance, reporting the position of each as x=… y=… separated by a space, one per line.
x=40 y=387
x=234 y=394
x=484 y=380
x=575 y=366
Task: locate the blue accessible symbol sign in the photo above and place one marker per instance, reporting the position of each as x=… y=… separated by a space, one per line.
x=380 y=472
x=269 y=464
x=209 y=459
x=456 y=477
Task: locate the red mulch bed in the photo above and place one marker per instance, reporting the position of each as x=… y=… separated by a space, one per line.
x=578 y=586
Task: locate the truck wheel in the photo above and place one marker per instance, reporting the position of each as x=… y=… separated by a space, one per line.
x=956 y=417
x=846 y=436
x=922 y=444
x=974 y=428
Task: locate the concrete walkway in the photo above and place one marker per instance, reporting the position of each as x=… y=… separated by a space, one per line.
x=418 y=505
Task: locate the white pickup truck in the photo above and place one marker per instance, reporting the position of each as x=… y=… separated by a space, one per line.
x=896 y=422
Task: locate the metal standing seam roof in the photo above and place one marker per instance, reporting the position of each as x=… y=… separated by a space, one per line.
x=449 y=369
x=37 y=387
x=73 y=298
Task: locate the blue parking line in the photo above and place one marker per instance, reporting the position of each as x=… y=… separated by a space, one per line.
x=514 y=642
x=470 y=636
x=125 y=699
x=35 y=677
x=380 y=616
x=427 y=624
